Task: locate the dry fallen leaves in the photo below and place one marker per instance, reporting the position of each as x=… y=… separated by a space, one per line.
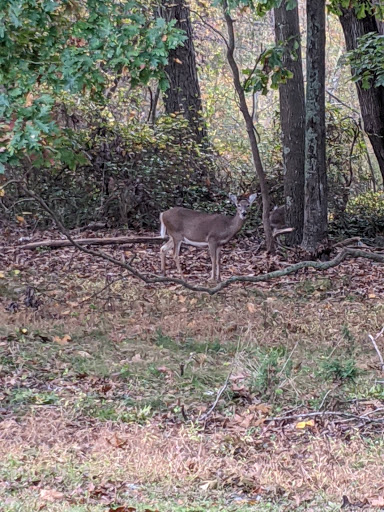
x=251 y=307
x=378 y=502
x=116 y=441
x=62 y=341
x=304 y=424
x=51 y=495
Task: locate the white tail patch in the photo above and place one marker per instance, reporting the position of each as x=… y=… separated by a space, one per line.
x=163 y=229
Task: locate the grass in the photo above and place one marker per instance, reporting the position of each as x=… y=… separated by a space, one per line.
x=101 y=399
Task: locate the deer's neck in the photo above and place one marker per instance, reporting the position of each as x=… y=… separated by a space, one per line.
x=236 y=223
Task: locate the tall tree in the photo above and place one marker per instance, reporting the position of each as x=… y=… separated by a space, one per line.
x=371 y=99
x=240 y=91
x=183 y=95
x=47 y=48
x=315 y=210
x=292 y=117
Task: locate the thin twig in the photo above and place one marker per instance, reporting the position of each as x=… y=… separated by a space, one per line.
x=324 y=413
x=98 y=292
x=373 y=339
x=211 y=27
x=288 y=359
x=325 y=397
x=206 y=415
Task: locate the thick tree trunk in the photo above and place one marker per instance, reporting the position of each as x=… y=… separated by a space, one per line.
x=292 y=117
x=371 y=100
x=315 y=211
x=183 y=95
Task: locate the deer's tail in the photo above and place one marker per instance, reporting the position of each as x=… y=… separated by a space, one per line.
x=163 y=229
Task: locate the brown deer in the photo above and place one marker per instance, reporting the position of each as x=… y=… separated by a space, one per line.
x=277 y=220
x=201 y=230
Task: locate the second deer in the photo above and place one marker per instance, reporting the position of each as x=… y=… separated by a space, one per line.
x=278 y=223
x=201 y=230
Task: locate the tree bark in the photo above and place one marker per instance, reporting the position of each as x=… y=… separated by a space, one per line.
x=371 y=100
x=183 y=96
x=292 y=117
x=315 y=210
x=231 y=44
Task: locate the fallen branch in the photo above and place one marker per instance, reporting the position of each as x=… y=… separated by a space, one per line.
x=55 y=244
x=348 y=241
x=318 y=265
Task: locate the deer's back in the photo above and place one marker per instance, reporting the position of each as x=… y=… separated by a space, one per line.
x=196 y=225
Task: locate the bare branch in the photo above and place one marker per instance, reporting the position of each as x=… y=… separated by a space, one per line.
x=218 y=396
x=374 y=339
x=94 y=241
x=205 y=22
x=318 y=265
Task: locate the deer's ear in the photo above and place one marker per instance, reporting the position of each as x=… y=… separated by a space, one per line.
x=233 y=198
x=251 y=198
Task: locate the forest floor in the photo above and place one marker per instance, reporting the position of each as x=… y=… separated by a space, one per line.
x=104 y=383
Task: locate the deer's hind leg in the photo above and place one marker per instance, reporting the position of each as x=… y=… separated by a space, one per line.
x=168 y=246
x=176 y=256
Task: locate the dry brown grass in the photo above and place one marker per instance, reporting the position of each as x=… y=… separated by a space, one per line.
x=56 y=447
x=184 y=457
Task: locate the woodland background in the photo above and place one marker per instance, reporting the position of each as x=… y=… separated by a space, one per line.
x=262 y=393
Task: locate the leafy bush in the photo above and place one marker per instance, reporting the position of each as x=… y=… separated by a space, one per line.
x=364 y=215
x=339 y=369
x=127 y=173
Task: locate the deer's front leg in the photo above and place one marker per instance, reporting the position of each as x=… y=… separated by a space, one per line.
x=218 y=255
x=213 y=253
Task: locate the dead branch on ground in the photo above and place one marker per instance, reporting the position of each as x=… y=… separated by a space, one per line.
x=318 y=265
x=94 y=241
x=364 y=418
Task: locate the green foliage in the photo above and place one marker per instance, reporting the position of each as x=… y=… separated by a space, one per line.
x=339 y=369
x=362 y=8
x=367 y=61
x=365 y=215
x=261 y=7
x=346 y=158
x=49 y=47
x=268 y=370
x=126 y=171
x=367 y=205
x=271 y=72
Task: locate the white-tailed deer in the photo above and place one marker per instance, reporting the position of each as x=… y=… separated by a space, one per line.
x=277 y=220
x=201 y=230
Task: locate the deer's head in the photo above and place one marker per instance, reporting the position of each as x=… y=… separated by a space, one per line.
x=243 y=205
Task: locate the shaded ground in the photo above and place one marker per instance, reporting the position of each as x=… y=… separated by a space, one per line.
x=103 y=383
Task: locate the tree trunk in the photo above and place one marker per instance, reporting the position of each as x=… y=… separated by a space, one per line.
x=183 y=95
x=231 y=44
x=315 y=210
x=292 y=117
x=371 y=100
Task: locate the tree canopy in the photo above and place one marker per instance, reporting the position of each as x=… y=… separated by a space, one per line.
x=50 y=48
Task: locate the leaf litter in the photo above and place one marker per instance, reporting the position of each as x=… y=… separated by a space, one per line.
x=68 y=284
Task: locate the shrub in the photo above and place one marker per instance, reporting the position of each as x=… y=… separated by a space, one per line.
x=364 y=215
